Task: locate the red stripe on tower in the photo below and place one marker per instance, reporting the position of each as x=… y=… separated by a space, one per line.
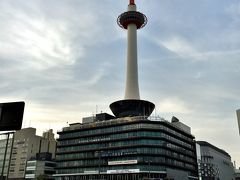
x=132 y=2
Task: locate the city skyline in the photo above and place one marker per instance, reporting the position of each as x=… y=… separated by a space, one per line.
x=66 y=60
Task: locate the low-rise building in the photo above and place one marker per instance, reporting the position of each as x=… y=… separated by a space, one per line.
x=237 y=174
x=126 y=148
x=40 y=166
x=215 y=163
x=26 y=144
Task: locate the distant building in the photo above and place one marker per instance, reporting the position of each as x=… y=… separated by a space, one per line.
x=26 y=145
x=237 y=174
x=50 y=142
x=238 y=118
x=215 y=163
x=41 y=166
x=126 y=148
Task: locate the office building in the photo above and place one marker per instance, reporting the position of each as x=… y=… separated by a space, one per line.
x=215 y=163
x=49 y=141
x=40 y=166
x=237 y=174
x=26 y=145
x=126 y=148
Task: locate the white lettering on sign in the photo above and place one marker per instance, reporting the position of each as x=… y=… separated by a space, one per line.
x=122 y=162
x=118 y=171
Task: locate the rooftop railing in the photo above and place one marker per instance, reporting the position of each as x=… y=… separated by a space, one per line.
x=111 y=122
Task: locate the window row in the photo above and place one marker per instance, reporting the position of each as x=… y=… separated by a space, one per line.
x=105 y=169
x=104 y=161
x=111 y=137
x=122 y=128
x=120 y=153
x=123 y=143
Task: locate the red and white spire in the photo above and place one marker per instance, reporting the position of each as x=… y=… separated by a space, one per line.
x=131 y=2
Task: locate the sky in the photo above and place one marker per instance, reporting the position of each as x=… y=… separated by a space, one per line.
x=66 y=59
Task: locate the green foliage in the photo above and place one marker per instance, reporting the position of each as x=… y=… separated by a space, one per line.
x=41 y=177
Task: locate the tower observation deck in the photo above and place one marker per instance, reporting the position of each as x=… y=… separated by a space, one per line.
x=132 y=20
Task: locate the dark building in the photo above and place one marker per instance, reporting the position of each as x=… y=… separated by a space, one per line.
x=126 y=148
x=237 y=174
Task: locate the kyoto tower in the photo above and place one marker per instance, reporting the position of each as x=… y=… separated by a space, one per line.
x=132 y=20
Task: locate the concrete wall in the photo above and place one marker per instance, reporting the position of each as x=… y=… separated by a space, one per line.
x=26 y=145
x=176 y=174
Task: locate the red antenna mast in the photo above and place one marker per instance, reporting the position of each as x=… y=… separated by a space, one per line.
x=132 y=2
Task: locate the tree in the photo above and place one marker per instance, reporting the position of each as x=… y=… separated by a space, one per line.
x=41 y=177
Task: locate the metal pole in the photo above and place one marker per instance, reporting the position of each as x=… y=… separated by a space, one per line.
x=10 y=155
x=4 y=158
x=98 y=165
x=149 y=169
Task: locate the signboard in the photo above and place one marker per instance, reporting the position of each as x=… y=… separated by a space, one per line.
x=122 y=162
x=11 y=115
x=120 y=171
x=90 y=172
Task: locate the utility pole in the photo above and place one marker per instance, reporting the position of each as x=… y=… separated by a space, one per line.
x=149 y=172
x=5 y=154
x=99 y=166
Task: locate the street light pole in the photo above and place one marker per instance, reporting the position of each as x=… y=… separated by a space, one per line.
x=149 y=174
x=10 y=157
x=4 y=157
x=99 y=164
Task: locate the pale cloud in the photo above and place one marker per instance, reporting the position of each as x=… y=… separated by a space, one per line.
x=179 y=46
x=97 y=75
x=34 y=41
x=173 y=105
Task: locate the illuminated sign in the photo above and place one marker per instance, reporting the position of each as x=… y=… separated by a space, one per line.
x=122 y=162
x=90 y=172
x=119 y=171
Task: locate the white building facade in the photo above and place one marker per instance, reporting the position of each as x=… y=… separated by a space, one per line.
x=213 y=163
x=26 y=145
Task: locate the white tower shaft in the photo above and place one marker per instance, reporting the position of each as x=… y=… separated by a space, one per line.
x=132 y=20
x=132 y=88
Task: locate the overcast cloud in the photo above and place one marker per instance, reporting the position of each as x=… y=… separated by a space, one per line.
x=66 y=60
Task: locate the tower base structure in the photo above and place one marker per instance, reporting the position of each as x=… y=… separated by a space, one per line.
x=132 y=107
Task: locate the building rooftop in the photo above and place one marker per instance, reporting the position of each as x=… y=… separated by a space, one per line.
x=204 y=143
x=116 y=121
